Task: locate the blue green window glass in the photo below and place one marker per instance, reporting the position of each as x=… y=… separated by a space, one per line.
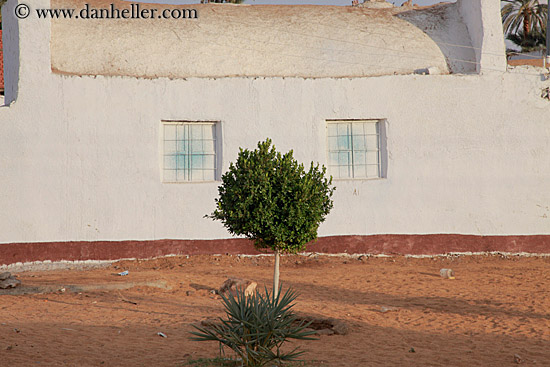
x=354 y=148
x=189 y=152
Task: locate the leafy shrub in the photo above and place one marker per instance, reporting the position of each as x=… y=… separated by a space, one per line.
x=256 y=327
x=270 y=198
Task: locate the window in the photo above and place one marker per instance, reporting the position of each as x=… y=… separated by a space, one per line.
x=354 y=148
x=189 y=151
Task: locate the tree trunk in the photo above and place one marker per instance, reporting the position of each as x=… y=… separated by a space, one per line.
x=526 y=23
x=276 y=274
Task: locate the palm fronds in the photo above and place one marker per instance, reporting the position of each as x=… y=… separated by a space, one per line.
x=526 y=15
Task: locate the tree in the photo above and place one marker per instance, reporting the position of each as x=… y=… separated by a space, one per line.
x=270 y=198
x=534 y=41
x=524 y=18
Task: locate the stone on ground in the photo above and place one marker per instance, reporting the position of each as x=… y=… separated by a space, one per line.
x=232 y=285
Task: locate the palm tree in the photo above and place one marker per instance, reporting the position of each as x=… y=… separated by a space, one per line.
x=529 y=15
x=534 y=41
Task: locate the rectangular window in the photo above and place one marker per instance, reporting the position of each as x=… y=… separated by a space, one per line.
x=189 y=151
x=354 y=148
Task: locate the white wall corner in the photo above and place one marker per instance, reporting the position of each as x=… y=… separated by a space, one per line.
x=484 y=23
x=10 y=41
x=27 y=61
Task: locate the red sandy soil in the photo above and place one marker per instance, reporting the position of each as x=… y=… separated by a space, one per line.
x=532 y=62
x=496 y=307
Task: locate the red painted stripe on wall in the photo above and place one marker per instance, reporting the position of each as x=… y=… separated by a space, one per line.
x=375 y=244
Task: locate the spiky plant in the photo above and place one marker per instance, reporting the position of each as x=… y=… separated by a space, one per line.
x=256 y=327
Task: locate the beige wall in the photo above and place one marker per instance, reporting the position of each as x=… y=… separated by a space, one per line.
x=263 y=40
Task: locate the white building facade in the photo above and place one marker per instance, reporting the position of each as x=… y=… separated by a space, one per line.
x=115 y=133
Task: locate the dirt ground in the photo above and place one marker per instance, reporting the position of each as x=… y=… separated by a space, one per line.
x=497 y=307
x=532 y=62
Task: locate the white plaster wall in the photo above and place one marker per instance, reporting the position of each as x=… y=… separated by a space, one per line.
x=444 y=24
x=484 y=23
x=79 y=156
x=255 y=40
x=10 y=45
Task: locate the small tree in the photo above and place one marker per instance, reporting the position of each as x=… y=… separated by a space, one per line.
x=271 y=199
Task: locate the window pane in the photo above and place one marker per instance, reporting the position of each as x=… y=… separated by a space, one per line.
x=196 y=146
x=359 y=142
x=209 y=175
x=357 y=128
x=169 y=132
x=359 y=171
x=208 y=132
x=344 y=142
x=372 y=142
x=353 y=149
x=182 y=162
x=170 y=162
x=170 y=146
x=359 y=157
x=333 y=159
x=372 y=157
x=208 y=146
x=182 y=176
x=190 y=153
x=209 y=162
x=196 y=161
x=182 y=146
x=181 y=132
x=372 y=171
x=196 y=131
x=333 y=143
x=344 y=171
x=343 y=129
x=343 y=159
x=371 y=127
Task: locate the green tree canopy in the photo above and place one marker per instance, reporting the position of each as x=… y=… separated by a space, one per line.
x=534 y=41
x=270 y=198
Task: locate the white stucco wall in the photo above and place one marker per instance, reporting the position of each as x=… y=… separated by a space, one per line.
x=80 y=157
x=261 y=40
x=482 y=17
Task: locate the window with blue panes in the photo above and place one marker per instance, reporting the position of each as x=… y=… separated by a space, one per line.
x=354 y=148
x=189 y=151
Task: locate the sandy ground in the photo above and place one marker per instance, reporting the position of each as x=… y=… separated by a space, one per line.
x=532 y=62
x=495 y=308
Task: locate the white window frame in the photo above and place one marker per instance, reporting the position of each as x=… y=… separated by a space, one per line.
x=354 y=173
x=187 y=171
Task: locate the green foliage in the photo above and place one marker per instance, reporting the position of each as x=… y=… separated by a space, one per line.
x=227 y=362
x=270 y=198
x=256 y=327
x=525 y=15
x=534 y=41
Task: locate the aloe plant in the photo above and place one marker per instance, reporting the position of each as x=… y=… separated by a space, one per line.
x=256 y=327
